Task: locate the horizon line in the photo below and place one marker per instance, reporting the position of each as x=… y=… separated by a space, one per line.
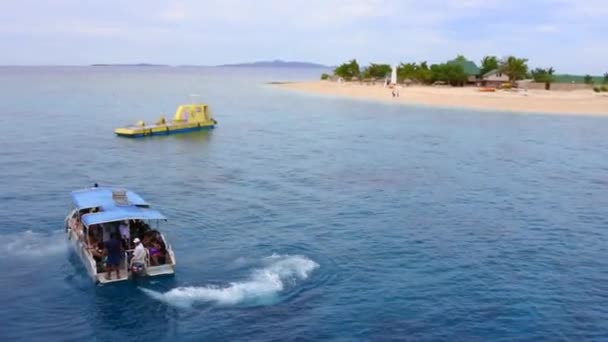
x=161 y=65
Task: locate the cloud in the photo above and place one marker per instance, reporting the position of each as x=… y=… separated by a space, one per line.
x=581 y=9
x=65 y=29
x=362 y=8
x=327 y=31
x=546 y=28
x=173 y=14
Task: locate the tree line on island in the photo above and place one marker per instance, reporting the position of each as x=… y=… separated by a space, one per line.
x=456 y=72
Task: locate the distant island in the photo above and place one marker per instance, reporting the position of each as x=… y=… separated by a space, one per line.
x=276 y=64
x=259 y=64
x=130 y=65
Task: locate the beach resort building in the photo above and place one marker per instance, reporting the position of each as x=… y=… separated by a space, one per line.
x=494 y=78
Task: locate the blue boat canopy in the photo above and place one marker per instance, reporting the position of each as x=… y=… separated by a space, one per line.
x=113 y=205
x=105 y=197
x=121 y=214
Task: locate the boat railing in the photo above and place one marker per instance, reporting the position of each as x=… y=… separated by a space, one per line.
x=87 y=255
x=168 y=248
x=126 y=265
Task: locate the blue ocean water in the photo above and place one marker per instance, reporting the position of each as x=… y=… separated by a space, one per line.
x=303 y=217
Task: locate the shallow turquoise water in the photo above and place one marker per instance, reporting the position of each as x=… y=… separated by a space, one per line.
x=303 y=217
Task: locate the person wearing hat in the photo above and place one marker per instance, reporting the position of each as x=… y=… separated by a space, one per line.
x=138 y=261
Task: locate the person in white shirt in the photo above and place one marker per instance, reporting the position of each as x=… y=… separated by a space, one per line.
x=139 y=255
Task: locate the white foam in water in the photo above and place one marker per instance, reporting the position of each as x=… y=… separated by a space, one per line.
x=264 y=284
x=32 y=244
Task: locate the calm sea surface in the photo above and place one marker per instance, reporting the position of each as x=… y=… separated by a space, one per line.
x=303 y=217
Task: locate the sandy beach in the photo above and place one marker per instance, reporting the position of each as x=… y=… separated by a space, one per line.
x=577 y=102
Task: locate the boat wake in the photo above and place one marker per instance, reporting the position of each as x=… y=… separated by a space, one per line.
x=264 y=285
x=31 y=244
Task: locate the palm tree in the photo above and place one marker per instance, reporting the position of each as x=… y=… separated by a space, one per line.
x=488 y=63
x=348 y=70
x=549 y=78
x=544 y=76
x=515 y=68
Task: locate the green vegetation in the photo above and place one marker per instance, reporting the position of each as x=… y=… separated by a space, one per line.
x=458 y=71
x=488 y=63
x=602 y=88
x=348 y=70
x=515 y=68
x=324 y=76
x=565 y=78
x=451 y=73
x=544 y=76
x=415 y=72
x=469 y=67
x=377 y=71
x=606 y=78
x=408 y=71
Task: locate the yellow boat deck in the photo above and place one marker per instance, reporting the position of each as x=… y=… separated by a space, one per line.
x=187 y=118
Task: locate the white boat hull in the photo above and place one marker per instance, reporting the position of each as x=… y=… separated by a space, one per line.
x=77 y=242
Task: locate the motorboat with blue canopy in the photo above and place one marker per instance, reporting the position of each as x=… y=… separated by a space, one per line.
x=121 y=214
x=103 y=218
x=98 y=197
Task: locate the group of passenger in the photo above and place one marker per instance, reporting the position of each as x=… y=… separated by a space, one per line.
x=108 y=246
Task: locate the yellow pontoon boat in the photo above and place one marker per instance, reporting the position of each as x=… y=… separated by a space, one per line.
x=190 y=117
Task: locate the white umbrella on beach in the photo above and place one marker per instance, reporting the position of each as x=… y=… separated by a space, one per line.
x=394 y=75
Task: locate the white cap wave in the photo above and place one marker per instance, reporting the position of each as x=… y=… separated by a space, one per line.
x=279 y=272
x=29 y=244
